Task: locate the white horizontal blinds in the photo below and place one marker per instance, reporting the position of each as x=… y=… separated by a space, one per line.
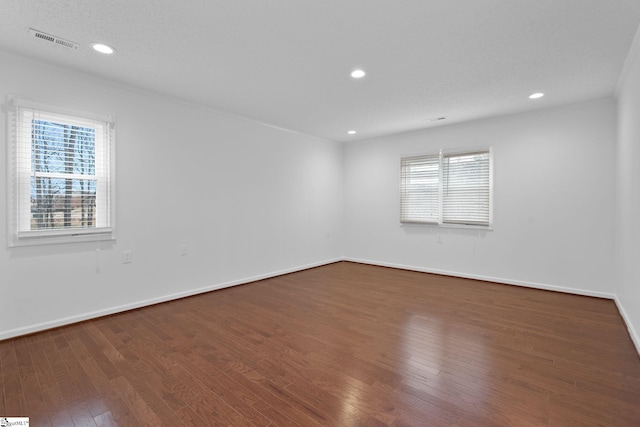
x=466 y=188
x=62 y=171
x=419 y=189
x=103 y=175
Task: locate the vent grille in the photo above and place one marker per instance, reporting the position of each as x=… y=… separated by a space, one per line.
x=52 y=39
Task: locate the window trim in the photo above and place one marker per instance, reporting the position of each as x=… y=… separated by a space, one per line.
x=440 y=223
x=17 y=237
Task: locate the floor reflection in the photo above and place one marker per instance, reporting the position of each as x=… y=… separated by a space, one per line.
x=445 y=361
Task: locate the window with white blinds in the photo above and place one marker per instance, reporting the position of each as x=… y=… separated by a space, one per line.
x=466 y=188
x=420 y=189
x=446 y=188
x=62 y=175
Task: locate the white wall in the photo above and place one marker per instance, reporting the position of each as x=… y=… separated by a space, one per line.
x=251 y=201
x=554 y=183
x=628 y=212
x=248 y=200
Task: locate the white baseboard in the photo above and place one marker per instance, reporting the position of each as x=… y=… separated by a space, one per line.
x=627 y=321
x=503 y=280
x=138 y=304
x=635 y=337
x=151 y=301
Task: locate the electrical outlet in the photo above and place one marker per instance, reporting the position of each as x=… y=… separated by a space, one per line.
x=183 y=250
x=127 y=257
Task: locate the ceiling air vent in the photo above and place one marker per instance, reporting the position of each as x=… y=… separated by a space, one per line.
x=52 y=39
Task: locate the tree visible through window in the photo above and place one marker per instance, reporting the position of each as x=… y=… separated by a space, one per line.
x=63 y=184
x=62 y=180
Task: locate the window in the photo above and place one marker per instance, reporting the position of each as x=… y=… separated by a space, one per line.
x=446 y=188
x=62 y=179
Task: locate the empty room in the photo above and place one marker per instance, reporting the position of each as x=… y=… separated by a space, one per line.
x=320 y=213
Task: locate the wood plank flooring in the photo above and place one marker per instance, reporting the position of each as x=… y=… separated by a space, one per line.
x=339 y=345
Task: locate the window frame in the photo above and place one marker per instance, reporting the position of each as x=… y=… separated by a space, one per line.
x=19 y=177
x=439 y=218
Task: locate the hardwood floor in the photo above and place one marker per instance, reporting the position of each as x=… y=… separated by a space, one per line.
x=340 y=345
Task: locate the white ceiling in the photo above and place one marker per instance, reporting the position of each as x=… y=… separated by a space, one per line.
x=287 y=62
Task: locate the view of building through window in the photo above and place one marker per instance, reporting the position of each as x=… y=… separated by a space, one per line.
x=63 y=181
x=62 y=175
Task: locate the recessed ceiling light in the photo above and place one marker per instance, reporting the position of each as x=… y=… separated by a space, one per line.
x=352 y=132
x=536 y=95
x=358 y=74
x=103 y=48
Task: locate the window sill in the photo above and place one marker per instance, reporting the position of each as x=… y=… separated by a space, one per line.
x=37 y=239
x=455 y=226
